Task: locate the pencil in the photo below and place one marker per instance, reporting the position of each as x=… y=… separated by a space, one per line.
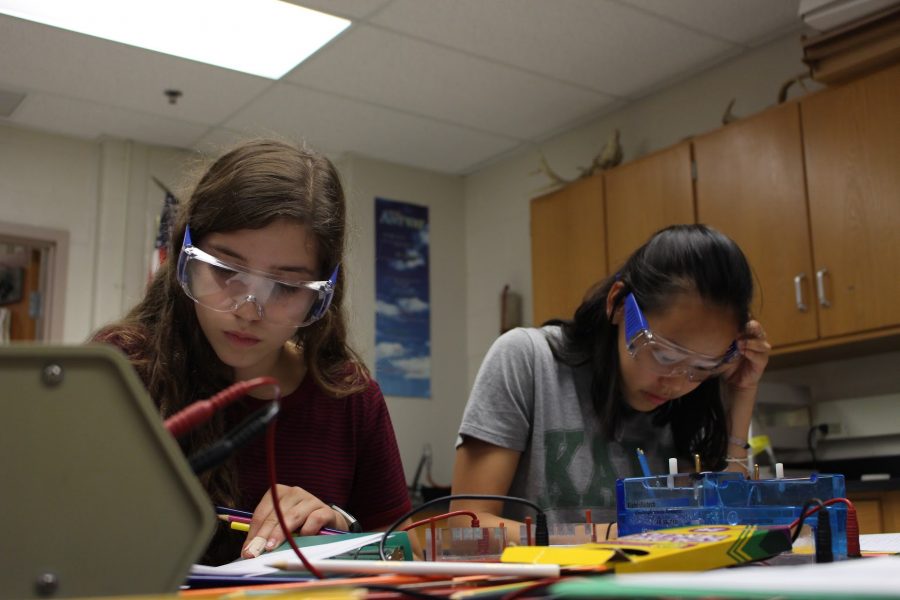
x=232 y=519
x=243 y=524
x=645 y=468
x=492 y=591
x=425 y=567
x=224 y=510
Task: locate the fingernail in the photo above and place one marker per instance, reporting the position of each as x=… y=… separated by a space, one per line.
x=271 y=543
x=255 y=547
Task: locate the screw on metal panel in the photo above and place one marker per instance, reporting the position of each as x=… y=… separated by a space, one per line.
x=46 y=584
x=52 y=374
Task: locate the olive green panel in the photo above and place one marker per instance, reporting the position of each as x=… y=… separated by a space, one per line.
x=96 y=498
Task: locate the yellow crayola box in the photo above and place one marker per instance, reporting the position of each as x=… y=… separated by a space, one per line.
x=694 y=548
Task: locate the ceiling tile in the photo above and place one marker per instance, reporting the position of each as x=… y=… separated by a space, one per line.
x=739 y=21
x=333 y=124
x=9 y=101
x=606 y=46
x=440 y=84
x=80 y=118
x=219 y=140
x=41 y=58
x=393 y=70
x=349 y=9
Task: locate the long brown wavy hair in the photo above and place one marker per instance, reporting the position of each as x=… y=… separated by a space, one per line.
x=248 y=188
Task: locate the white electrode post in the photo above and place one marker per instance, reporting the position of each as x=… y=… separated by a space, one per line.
x=673 y=470
x=779 y=470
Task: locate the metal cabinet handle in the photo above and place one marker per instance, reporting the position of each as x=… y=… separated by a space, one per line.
x=820 y=287
x=798 y=292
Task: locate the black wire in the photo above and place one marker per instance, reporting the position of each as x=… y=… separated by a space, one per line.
x=608 y=529
x=414 y=486
x=822 y=427
x=809 y=445
x=824 y=553
x=541 y=532
x=806 y=506
x=249 y=428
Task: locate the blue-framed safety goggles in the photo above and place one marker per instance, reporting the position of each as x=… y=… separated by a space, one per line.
x=224 y=287
x=663 y=357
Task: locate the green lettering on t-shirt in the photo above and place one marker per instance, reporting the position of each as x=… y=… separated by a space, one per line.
x=602 y=489
x=559 y=448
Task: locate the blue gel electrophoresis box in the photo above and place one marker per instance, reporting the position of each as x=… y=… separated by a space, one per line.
x=727 y=498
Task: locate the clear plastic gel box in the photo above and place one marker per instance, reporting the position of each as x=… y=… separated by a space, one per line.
x=727 y=498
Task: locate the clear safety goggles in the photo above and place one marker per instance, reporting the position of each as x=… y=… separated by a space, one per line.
x=224 y=287
x=658 y=355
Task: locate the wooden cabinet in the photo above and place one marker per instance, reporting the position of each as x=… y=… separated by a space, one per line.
x=809 y=189
x=645 y=195
x=750 y=186
x=877 y=511
x=851 y=139
x=811 y=192
x=568 y=250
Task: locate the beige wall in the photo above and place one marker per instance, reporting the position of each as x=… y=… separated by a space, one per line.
x=100 y=192
x=416 y=421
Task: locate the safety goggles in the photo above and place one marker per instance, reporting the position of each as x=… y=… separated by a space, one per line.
x=658 y=355
x=224 y=287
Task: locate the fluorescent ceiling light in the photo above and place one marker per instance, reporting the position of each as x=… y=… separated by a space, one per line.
x=261 y=37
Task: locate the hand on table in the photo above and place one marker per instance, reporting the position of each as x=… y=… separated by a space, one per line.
x=303 y=513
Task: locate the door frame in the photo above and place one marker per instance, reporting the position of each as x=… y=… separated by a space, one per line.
x=56 y=244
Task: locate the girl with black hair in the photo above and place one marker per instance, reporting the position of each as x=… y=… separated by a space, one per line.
x=663 y=356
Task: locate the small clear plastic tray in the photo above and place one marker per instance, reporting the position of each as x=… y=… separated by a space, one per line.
x=727 y=498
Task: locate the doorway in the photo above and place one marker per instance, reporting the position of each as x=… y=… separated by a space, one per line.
x=32 y=283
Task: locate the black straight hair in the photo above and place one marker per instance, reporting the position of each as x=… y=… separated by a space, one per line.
x=677 y=259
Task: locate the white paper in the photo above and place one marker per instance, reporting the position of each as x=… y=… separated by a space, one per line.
x=261 y=564
x=848 y=578
x=880 y=542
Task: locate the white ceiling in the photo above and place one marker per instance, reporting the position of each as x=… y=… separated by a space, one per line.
x=447 y=85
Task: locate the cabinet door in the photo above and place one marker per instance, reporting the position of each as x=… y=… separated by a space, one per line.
x=852 y=143
x=877 y=511
x=750 y=186
x=568 y=252
x=644 y=196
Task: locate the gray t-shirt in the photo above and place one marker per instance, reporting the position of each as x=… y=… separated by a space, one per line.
x=525 y=400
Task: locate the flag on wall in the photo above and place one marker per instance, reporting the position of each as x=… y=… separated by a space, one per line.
x=164 y=228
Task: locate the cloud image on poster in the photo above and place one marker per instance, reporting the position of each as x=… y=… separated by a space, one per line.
x=402 y=304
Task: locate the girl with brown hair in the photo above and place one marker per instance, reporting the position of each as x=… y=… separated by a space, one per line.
x=254 y=286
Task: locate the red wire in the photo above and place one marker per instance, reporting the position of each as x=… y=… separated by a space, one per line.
x=273 y=484
x=528 y=531
x=454 y=513
x=431 y=521
x=815 y=509
x=853 y=548
x=199 y=412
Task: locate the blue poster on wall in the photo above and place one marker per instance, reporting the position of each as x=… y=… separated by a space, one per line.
x=403 y=309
